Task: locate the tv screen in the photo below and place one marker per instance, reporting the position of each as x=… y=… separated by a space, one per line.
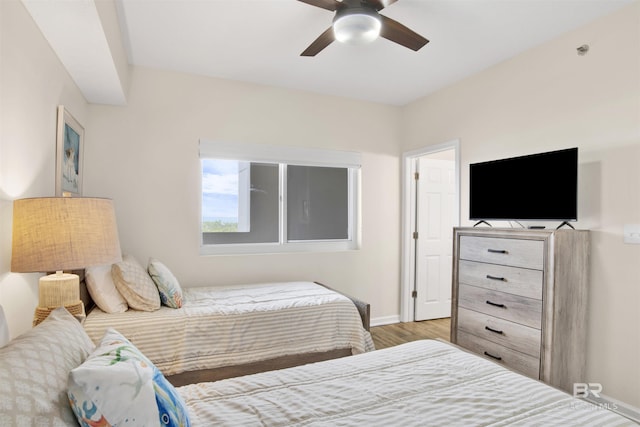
x=540 y=186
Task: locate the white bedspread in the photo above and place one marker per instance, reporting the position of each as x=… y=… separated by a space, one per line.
x=423 y=383
x=223 y=326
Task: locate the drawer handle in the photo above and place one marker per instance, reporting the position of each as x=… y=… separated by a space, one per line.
x=497 y=251
x=492 y=356
x=495 y=304
x=502 y=279
x=495 y=331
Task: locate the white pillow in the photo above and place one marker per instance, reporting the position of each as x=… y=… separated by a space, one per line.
x=135 y=285
x=118 y=385
x=103 y=291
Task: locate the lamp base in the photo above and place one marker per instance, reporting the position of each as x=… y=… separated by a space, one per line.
x=77 y=310
x=58 y=289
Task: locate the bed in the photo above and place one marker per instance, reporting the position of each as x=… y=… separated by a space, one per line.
x=227 y=331
x=422 y=383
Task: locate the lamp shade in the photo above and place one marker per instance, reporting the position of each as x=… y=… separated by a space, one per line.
x=63 y=233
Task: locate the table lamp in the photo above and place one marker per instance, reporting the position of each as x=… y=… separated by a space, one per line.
x=58 y=234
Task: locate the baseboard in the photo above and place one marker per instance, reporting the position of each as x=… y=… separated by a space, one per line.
x=386 y=320
x=616 y=406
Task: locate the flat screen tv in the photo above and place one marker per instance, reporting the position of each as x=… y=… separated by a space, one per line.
x=540 y=186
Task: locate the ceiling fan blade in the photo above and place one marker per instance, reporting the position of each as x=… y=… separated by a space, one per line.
x=331 y=5
x=380 y=4
x=320 y=43
x=398 y=33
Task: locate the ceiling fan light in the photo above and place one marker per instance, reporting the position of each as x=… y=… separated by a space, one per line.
x=356 y=28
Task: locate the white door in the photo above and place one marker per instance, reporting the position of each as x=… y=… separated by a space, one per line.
x=435 y=202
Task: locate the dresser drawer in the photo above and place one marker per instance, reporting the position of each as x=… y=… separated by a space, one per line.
x=525 y=311
x=520 y=362
x=512 y=335
x=496 y=250
x=512 y=280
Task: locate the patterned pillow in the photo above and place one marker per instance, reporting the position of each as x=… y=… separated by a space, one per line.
x=118 y=385
x=135 y=285
x=103 y=291
x=34 y=368
x=170 y=291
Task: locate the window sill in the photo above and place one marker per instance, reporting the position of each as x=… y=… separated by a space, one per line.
x=274 y=248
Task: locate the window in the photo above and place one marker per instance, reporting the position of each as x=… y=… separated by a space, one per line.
x=258 y=199
x=225 y=195
x=317 y=203
x=237 y=210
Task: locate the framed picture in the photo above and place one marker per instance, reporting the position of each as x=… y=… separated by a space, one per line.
x=69 y=154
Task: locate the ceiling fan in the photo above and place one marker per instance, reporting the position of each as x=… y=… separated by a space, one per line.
x=358 y=22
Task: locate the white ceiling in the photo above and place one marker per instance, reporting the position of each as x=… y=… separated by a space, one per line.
x=260 y=41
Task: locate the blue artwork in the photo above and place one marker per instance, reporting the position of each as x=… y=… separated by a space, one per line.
x=70 y=160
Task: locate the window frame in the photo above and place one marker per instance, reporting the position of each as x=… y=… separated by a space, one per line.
x=244 y=196
x=283 y=156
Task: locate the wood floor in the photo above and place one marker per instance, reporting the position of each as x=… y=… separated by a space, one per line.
x=398 y=333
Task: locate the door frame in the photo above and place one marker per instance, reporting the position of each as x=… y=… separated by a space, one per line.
x=407 y=302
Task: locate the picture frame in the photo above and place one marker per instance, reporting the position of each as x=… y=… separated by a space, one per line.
x=69 y=154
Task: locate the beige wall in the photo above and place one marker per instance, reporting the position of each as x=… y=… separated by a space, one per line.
x=33 y=83
x=550 y=98
x=145 y=157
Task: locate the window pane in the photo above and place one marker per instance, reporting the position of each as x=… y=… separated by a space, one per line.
x=225 y=196
x=243 y=195
x=317 y=203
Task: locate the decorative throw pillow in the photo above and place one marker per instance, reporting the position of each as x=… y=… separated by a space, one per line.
x=34 y=368
x=135 y=285
x=168 y=286
x=103 y=291
x=118 y=385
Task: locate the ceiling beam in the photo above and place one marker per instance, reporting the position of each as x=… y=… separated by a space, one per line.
x=75 y=32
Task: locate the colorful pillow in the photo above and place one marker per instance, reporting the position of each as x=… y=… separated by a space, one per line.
x=103 y=291
x=118 y=385
x=135 y=285
x=34 y=368
x=168 y=286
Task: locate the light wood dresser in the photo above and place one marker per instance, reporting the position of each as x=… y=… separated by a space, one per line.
x=519 y=298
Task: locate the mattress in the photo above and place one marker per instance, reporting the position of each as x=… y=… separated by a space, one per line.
x=422 y=383
x=233 y=325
